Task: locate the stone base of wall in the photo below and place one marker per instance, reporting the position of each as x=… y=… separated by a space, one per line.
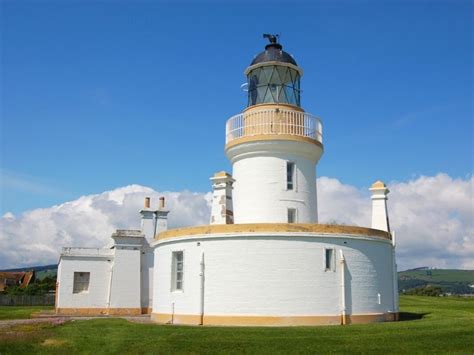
x=191 y=319
x=102 y=311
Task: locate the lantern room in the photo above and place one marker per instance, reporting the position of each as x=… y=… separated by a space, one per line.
x=273 y=77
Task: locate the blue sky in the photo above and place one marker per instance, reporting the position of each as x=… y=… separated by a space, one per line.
x=97 y=95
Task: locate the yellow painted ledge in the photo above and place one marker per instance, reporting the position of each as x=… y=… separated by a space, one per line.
x=272 y=228
x=189 y=319
x=102 y=311
x=272 y=137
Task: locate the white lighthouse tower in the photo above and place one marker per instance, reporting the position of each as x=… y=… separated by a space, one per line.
x=264 y=259
x=274 y=145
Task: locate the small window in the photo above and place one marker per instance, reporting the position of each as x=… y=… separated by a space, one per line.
x=329 y=259
x=81 y=282
x=290 y=175
x=291 y=215
x=177 y=271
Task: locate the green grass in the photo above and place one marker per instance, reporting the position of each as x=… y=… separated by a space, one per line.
x=13 y=312
x=435 y=325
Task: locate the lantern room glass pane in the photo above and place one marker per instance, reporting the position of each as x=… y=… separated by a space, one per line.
x=274 y=84
x=284 y=74
x=268 y=74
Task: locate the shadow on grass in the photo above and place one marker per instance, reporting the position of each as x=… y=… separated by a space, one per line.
x=407 y=316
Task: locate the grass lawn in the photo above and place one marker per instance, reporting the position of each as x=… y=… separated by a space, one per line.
x=13 y=312
x=432 y=325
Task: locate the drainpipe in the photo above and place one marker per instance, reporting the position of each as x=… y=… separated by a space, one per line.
x=155 y=222
x=172 y=313
x=394 y=278
x=201 y=291
x=110 y=287
x=343 y=289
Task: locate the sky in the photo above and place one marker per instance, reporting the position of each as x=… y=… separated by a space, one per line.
x=97 y=96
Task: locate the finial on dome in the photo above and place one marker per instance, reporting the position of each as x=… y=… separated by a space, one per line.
x=273 y=39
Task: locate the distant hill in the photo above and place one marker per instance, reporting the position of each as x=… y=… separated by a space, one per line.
x=449 y=280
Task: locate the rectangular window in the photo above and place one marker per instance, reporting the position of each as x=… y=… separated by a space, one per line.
x=329 y=259
x=177 y=271
x=291 y=215
x=81 y=282
x=290 y=175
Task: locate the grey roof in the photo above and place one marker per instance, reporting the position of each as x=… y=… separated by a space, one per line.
x=127 y=233
x=273 y=53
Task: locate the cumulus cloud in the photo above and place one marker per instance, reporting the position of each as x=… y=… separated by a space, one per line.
x=432 y=217
x=36 y=237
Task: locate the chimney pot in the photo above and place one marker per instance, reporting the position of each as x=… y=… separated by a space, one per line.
x=162 y=202
x=147 y=202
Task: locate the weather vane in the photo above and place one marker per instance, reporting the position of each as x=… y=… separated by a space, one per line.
x=272 y=38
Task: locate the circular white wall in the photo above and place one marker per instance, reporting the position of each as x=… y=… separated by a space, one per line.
x=274 y=275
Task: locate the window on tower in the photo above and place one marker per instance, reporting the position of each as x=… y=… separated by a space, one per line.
x=329 y=260
x=291 y=215
x=177 y=264
x=290 y=175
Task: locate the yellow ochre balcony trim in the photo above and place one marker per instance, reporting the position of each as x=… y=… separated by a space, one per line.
x=272 y=228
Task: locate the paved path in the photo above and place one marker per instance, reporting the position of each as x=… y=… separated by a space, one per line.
x=57 y=320
x=13 y=322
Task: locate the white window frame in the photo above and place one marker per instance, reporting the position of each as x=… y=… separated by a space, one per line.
x=81 y=282
x=295 y=220
x=332 y=263
x=293 y=176
x=175 y=272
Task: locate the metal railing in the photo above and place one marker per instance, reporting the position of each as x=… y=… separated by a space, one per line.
x=276 y=121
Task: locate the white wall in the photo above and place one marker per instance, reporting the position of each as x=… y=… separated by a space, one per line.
x=275 y=275
x=126 y=280
x=96 y=297
x=260 y=192
x=147 y=267
x=380 y=214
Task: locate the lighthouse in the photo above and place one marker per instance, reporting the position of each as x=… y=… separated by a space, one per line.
x=274 y=145
x=263 y=260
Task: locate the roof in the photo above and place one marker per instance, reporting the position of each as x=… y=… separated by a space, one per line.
x=378 y=185
x=222 y=174
x=135 y=233
x=17 y=278
x=273 y=53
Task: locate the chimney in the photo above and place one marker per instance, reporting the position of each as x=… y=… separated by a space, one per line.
x=222 y=211
x=379 y=206
x=148 y=220
x=161 y=217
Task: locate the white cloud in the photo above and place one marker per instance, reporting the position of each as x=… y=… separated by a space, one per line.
x=433 y=218
x=36 y=237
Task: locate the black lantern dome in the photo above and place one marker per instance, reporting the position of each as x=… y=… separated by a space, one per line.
x=273 y=53
x=273 y=76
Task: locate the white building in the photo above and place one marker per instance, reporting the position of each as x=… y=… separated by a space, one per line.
x=264 y=259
